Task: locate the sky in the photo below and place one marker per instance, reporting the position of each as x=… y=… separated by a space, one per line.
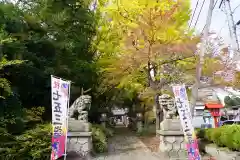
x=219 y=24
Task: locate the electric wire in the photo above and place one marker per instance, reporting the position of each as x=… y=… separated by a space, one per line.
x=213 y=8
x=193 y=14
x=235 y=8
x=222 y=28
x=199 y=13
x=238 y=22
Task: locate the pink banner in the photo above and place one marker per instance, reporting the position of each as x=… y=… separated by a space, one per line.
x=58 y=147
x=183 y=108
x=193 y=151
x=60 y=98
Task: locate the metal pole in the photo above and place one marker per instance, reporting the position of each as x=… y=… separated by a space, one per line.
x=232 y=27
x=201 y=56
x=65 y=151
x=205 y=37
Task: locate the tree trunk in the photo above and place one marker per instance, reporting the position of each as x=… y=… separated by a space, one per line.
x=157 y=106
x=157 y=120
x=193 y=99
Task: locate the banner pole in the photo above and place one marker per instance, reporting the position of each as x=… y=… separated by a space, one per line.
x=56 y=84
x=65 y=152
x=52 y=119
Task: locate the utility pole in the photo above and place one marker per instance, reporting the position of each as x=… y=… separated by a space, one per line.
x=197 y=84
x=232 y=27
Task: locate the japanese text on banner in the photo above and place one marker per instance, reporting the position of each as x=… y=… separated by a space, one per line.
x=183 y=108
x=60 y=97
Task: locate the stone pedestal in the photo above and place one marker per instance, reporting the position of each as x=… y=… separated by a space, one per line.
x=139 y=126
x=77 y=126
x=172 y=143
x=79 y=144
x=79 y=141
x=103 y=120
x=103 y=123
x=139 y=122
x=126 y=121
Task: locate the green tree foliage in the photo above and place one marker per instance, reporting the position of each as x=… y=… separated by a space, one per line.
x=8 y=114
x=232 y=101
x=37 y=39
x=4 y=83
x=52 y=38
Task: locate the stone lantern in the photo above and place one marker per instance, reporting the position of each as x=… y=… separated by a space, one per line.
x=103 y=119
x=139 y=122
x=207 y=118
x=125 y=117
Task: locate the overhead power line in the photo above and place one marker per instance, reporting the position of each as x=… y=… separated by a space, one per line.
x=232 y=27
x=222 y=28
x=238 y=23
x=199 y=13
x=235 y=8
x=213 y=8
x=221 y=3
x=193 y=14
x=215 y=4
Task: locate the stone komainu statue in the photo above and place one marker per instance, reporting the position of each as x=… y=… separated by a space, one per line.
x=80 y=105
x=167 y=104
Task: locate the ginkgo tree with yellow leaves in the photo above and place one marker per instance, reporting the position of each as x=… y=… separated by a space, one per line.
x=150 y=36
x=146 y=45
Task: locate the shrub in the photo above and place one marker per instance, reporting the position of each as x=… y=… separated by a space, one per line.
x=216 y=136
x=99 y=139
x=236 y=139
x=200 y=133
x=107 y=131
x=228 y=136
x=34 y=144
x=225 y=136
x=208 y=134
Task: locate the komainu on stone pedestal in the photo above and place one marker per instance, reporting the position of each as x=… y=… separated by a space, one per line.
x=80 y=106
x=167 y=104
x=171 y=136
x=79 y=137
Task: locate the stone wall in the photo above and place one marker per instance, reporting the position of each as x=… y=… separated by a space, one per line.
x=172 y=144
x=221 y=153
x=80 y=143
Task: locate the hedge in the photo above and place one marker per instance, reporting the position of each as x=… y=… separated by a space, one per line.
x=35 y=144
x=225 y=136
x=100 y=137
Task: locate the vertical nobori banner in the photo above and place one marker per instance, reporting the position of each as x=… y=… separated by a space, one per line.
x=183 y=108
x=60 y=98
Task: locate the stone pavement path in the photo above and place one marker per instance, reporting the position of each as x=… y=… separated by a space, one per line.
x=127 y=146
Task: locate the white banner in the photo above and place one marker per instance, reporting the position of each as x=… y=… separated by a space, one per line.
x=60 y=101
x=183 y=108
